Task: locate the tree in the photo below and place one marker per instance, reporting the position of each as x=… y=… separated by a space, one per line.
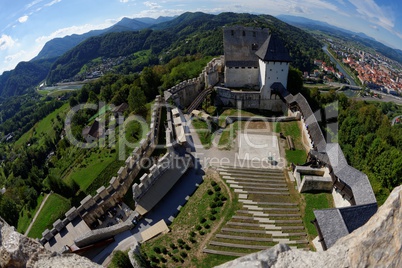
x=137 y=100
x=295 y=80
x=9 y=210
x=120 y=260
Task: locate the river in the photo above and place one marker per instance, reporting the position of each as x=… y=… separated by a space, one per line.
x=340 y=68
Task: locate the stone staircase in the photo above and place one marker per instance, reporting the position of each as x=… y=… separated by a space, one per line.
x=269 y=214
x=197 y=102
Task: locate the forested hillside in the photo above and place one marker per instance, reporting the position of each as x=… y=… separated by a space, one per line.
x=24 y=77
x=188 y=34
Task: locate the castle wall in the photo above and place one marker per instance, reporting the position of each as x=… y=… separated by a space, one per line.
x=245 y=77
x=184 y=93
x=272 y=72
x=92 y=207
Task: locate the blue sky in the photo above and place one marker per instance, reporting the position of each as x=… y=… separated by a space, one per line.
x=26 y=25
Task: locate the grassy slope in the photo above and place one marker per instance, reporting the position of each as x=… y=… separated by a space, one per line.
x=186 y=221
x=54 y=208
x=313 y=202
x=26 y=216
x=43 y=127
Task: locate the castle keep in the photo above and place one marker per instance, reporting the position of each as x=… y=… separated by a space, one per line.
x=256 y=69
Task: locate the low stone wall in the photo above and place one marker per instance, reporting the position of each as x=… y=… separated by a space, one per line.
x=314 y=179
x=92 y=207
x=97 y=235
x=248 y=100
x=185 y=92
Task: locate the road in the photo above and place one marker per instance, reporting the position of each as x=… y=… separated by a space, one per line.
x=340 y=67
x=36 y=214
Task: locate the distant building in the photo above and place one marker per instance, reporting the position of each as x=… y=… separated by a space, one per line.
x=257 y=63
x=94 y=132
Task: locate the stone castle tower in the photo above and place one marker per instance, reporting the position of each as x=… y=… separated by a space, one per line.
x=255 y=61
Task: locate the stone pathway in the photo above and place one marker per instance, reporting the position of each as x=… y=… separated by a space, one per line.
x=268 y=215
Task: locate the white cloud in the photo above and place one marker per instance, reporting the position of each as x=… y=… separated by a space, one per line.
x=14 y=57
x=52 y=3
x=23 y=19
x=152 y=5
x=32 y=4
x=6 y=42
x=382 y=16
x=124 y=1
x=74 y=30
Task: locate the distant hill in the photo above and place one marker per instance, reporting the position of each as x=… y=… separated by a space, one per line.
x=28 y=74
x=25 y=76
x=166 y=38
x=58 y=46
x=361 y=38
x=189 y=33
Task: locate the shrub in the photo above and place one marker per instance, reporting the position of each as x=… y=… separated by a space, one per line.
x=213 y=183
x=192 y=240
x=207 y=226
x=164 y=250
x=157 y=250
x=172 y=246
x=202 y=219
x=217 y=188
x=192 y=234
x=212 y=205
x=180 y=241
x=154 y=259
x=175 y=259
x=217 y=198
x=202 y=232
x=210 y=192
x=198 y=227
x=219 y=203
x=187 y=247
x=214 y=211
x=212 y=217
x=162 y=259
x=223 y=198
x=183 y=254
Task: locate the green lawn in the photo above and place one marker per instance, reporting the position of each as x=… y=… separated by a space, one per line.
x=26 y=216
x=190 y=220
x=313 y=202
x=44 y=128
x=297 y=157
x=54 y=208
x=204 y=132
x=92 y=165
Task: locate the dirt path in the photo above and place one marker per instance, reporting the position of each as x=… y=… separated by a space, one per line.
x=36 y=214
x=216 y=177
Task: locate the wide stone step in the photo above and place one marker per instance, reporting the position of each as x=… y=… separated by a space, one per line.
x=284 y=215
x=234 y=245
x=250 y=175
x=250 y=170
x=248 y=179
x=258 y=208
x=266 y=226
x=222 y=252
x=242 y=191
x=250 y=231
x=254 y=183
x=245 y=238
x=266 y=220
x=251 y=187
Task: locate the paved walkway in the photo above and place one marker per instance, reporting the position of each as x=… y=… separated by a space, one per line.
x=36 y=214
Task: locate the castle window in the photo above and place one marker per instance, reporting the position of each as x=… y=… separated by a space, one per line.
x=254 y=34
x=254 y=46
x=232 y=32
x=244 y=33
x=282 y=70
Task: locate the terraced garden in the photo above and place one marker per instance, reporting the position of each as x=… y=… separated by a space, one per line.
x=269 y=214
